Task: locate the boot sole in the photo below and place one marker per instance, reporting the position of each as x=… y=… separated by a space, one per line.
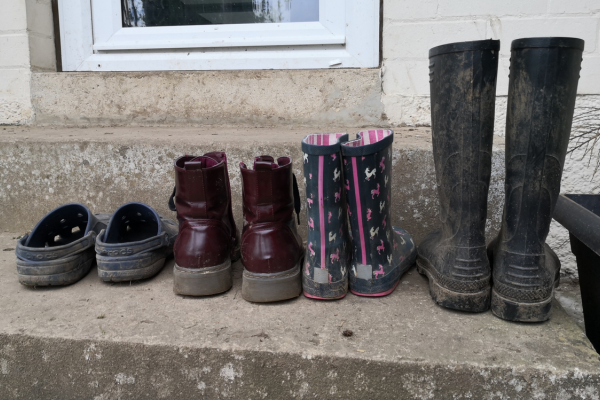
x=58 y=279
x=202 y=282
x=266 y=288
x=523 y=311
x=379 y=287
x=511 y=310
x=471 y=302
x=310 y=296
x=324 y=291
x=380 y=294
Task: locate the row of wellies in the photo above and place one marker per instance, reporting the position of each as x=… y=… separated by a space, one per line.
x=351 y=242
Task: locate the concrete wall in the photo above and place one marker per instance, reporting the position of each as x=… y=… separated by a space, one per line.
x=40 y=29
x=350 y=97
x=26 y=45
x=15 y=101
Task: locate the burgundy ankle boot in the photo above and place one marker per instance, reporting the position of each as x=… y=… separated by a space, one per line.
x=272 y=250
x=208 y=241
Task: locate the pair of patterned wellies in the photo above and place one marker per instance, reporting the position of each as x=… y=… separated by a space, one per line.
x=516 y=273
x=351 y=181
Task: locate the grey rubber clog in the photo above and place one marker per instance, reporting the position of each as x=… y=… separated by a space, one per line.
x=135 y=244
x=59 y=250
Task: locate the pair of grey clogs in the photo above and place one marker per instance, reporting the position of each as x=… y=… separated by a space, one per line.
x=131 y=244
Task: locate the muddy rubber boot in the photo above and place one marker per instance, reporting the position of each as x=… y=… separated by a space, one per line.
x=463 y=93
x=541 y=99
x=325 y=271
x=381 y=254
x=272 y=251
x=208 y=241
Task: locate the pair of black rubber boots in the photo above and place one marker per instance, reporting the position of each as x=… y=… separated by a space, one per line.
x=517 y=272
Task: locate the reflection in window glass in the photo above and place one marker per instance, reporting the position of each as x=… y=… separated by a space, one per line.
x=208 y=12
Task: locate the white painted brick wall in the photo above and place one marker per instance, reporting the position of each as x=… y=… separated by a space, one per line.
x=492 y=8
x=14 y=48
x=12 y=17
x=402 y=40
x=26 y=44
x=41 y=35
x=590 y=79
x=15 y=101
x=511 y=28
x=411 y=28
x=39 y=17
x=404 y=76
x=573 y=7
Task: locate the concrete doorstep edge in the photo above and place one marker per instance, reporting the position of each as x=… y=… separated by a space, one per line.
x=35 y=367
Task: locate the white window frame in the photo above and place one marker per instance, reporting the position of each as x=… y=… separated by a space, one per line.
x=92 y=39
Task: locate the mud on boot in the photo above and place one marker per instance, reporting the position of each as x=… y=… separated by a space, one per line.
x=463 y=91
x=541 y=99
x=461 y=280
x=381 y=254
x=272 y=250
x=325 y=269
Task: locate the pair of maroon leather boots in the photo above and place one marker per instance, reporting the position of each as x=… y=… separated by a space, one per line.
x=209 y=241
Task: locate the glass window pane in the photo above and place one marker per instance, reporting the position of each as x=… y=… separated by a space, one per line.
x=208 y=12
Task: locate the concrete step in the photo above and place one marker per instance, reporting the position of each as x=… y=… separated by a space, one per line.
x=94 y=340
x=42 y=168
x=112 y=341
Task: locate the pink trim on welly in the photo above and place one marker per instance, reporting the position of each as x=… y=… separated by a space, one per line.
x=372 y=136
x=322 y=213
x=323 y=139
x=369 y=137
x=359 y=211
x=323 y=298
x=376 y=294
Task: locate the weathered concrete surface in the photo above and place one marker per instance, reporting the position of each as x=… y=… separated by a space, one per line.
x=349 y=97
x=106 y=167
x=568 y=295
x=139 y=340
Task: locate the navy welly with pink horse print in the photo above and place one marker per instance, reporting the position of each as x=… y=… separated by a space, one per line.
x=325 y=270
x=381 y=253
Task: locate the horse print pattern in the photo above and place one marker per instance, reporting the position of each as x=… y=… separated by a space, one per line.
x=325 y=274
x=381 y=253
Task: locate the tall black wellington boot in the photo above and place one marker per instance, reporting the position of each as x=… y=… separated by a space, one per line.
x=463 y=90
x=541 y=98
